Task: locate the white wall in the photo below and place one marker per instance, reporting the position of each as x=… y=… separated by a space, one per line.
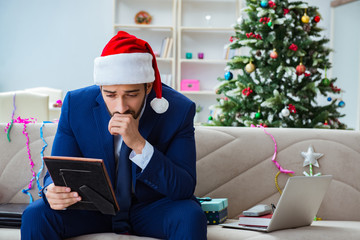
x=54 y=42
x=346 y=59
x=51 y=43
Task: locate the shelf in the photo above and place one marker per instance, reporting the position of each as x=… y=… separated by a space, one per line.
x=207 y=29
x=204 y=61
x=169 y=60
x=144 y=26
x=199 y=92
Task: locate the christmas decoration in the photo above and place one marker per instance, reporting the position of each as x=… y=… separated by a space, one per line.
x=326 y=82
x=143 y=17
x=311 y=158
x=264 y=3
x=228 y=75
x=294 y=77
x=285 y=112
x=341 y=103
x=316 y=19
x=292 y=108
x=258 y=115
x=305 y=18
x=247 y=91
x=293 y=47
x=250 y=67
x=300 y=69
x=272 y=4
x=274 y=54
x=307 y=27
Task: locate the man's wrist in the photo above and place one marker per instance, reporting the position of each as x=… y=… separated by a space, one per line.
x=139 y=146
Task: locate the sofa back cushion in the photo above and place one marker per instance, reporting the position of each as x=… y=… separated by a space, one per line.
x=236 y=163
x=15 y=169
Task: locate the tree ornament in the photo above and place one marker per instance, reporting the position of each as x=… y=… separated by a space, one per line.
x=317 y=19
x=258 y=115
x=264 y=3
x=250 y=67
x=210 y=118
x=247 y=91
x=274 y=54
x=305 y=18
x=329 y=99
x=300 y=69
x=341 y=104
x=307 y=27
x=258 y=53
x=269 y=23
x=292 y=108
x=293 y=47
x=285 y=112
x=326 y=82
x=228 y=75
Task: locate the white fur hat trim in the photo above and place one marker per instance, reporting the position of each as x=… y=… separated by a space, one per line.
x=160 y=105
x=124 y=68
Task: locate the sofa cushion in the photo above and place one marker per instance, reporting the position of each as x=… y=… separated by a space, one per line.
x=236 y=163
x=318 y=230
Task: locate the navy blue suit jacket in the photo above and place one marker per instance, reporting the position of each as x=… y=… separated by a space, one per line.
x=171 y=172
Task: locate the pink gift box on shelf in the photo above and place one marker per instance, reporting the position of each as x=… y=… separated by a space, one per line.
x=190 y=85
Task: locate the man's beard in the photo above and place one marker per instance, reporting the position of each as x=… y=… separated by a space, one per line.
x=135 y=115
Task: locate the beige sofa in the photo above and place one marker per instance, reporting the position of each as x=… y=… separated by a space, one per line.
x=233 y=163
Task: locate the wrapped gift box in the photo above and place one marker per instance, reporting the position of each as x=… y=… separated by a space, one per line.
x=190 y=85
x=215 y=209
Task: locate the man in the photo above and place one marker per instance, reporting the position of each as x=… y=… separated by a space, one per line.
x=144 y=132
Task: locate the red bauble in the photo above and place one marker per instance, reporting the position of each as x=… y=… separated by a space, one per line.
x=300 y=69
x=274 y=54
x=317 y=19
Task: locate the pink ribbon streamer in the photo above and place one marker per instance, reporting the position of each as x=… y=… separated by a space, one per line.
x=275 y=152
x=26 y=121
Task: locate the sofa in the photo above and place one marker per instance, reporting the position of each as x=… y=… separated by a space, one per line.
x=233 y=163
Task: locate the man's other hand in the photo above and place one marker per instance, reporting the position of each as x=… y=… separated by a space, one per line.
x=60 y=198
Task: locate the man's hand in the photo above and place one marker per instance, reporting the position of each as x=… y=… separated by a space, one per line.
x=60 y=198
x=128 y=127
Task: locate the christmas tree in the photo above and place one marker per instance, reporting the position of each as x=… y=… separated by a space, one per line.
x=279 y=81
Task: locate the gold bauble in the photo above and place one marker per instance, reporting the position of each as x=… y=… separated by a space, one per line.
x=305 y=18
x=250 y=67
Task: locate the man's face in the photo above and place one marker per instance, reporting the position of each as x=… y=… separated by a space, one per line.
x=125 y=98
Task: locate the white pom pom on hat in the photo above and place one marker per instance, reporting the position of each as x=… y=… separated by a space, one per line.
x=127 y=59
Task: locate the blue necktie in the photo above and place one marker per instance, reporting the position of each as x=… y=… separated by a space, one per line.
x=123 y=190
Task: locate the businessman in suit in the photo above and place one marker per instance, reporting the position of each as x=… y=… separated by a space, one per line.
x=144 y=132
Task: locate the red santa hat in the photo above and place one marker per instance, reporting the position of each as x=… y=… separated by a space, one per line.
x=127 y=59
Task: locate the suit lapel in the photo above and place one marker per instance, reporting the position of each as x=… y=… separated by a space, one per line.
x=102 y=118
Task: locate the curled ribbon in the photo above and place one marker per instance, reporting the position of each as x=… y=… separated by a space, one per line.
x=275 y=151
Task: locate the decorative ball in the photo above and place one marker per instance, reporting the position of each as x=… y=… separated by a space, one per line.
x=317 y=19
x=269 y=24
x=285 y=112
x=258 y=53
x=258 y=115
x=329 y=99
x=274 y=54
x=250 y=67
x=300 y=69
x=305 y=18
x=240 y=20
x=264 y=3
x=210 y=118
x=341 y=103
x=228 y=75
x=326 y=81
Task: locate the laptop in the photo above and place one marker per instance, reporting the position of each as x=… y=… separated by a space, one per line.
x=297 y=206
